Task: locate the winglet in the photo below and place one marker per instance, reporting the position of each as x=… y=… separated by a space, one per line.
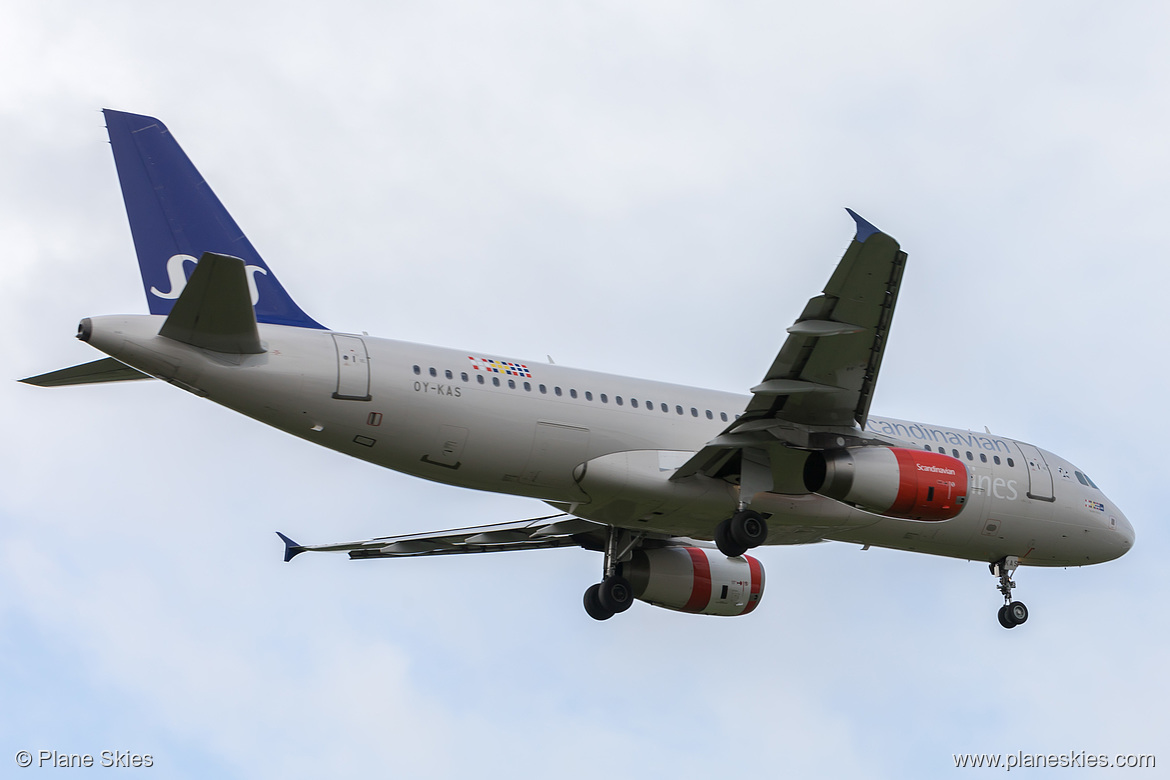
x=291 y=548
x=864 y=228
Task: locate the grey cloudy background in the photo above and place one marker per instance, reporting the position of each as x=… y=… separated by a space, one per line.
x=644 y=188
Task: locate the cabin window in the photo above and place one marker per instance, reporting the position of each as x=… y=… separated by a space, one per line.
x=666 y=408
x=479 y=378
x=709 y=415
x=928 y=449
x=634 y=402
x=528 y=386
x=604 y=398
x=618 y=399
x=557 y=390
x=970 y=456
x=448 y=374
x=723 y=416
x=543 y=389
x=995 y=458
x=954 y=453
x=982 y=457
x=694 y=412
x=511 y=384
x=588 y=395
x=1011 y=463
x=496 y=381
x=463 y=376
x=417 y=370
x=678 y=409
x=572 y=393
x=434 y=372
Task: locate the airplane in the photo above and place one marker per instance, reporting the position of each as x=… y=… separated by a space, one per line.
x=672 y=484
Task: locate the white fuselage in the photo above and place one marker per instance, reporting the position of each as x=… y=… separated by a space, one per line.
x=463 y=419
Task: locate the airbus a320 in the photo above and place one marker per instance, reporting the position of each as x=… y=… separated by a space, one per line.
x=673 y=485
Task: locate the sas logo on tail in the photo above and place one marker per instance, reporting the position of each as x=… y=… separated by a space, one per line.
x=178 y=278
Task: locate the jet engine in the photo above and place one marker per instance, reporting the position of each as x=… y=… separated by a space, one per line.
x=892 y=481
x=695 y=579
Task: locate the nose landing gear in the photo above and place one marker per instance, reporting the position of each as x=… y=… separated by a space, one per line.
x=1012 y=613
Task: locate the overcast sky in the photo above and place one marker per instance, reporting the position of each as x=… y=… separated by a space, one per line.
x=644 y=188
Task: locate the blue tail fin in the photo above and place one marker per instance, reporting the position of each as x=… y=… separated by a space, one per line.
x=175 y=218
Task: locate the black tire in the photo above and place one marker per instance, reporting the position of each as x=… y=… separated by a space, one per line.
x=1017 y=613
x=724 y=542
x=748 y=528
x=1004 y=619
x=616 y=594
x=593 y=605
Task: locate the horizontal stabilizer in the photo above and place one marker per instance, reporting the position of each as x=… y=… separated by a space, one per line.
x=104 y=370
x=215 y=309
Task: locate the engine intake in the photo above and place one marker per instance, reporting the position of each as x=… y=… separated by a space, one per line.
x=891 y=481
x=696 y=580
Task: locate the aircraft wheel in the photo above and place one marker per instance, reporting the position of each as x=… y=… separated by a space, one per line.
x=748 y=528
x=727 y=545
x=1004 y=620
x=615 y=594
x=593 y=604
x=1017 y=613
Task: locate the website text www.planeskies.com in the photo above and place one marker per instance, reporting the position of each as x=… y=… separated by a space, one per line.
x=1071 y=760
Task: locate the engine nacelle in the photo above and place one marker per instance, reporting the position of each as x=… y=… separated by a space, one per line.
x=696 y=579
x=892 y=481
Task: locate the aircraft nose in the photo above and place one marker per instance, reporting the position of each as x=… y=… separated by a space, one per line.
x=1125 y=530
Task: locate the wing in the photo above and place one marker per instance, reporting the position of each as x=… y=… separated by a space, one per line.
x=826 y=371
x=537 y=533
x=560 y=530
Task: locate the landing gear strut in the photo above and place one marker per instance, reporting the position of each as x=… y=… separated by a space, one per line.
x=741 y=532
x=1012 y=613
x=614 y=593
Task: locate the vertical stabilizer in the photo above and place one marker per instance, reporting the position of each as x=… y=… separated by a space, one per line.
x=175 y=218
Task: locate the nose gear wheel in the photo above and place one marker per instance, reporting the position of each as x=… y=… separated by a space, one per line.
x=1012 y=613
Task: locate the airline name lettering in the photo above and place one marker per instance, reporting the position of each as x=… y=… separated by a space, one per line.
x=995 y=486
x=434 y=388
x=940 y=436
x=936 y=469
x=178 y=278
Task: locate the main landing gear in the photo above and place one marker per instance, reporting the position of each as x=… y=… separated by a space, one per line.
x=1012 y=613
x=741 y=532
x=614 y=593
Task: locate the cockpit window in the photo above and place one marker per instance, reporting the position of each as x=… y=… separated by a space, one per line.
x=1085 y=479
x=1081 y=478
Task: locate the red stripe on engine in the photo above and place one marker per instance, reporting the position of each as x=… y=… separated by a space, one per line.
x=757 y=589
x=907 y=496
x=701 y=584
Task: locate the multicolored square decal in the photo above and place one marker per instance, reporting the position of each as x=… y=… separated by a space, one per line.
x=499 y=367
